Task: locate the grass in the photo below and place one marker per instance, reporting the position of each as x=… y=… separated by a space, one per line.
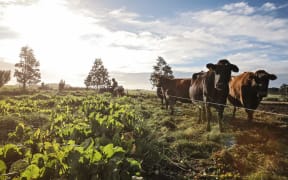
x=246 y=150
x=181 y=145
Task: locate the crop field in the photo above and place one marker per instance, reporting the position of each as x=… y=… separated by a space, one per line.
x=84 y=135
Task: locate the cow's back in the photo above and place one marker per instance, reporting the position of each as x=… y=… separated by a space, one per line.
x=182 y=89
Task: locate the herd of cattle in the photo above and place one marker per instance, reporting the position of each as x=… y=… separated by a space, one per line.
x=117 y=91
x=214 y=87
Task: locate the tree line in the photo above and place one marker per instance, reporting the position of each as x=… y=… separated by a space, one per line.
x=27 y=72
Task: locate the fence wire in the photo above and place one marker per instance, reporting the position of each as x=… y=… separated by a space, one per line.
x=227 y=105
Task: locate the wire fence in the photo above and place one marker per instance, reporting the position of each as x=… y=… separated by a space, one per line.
x=228 y=105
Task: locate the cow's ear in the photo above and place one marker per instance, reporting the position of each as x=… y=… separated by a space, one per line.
x=211 y=66
x=234 y=68
x=272 y=76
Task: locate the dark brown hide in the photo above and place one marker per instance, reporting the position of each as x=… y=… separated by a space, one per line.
x=175 y=90
x=247 y=90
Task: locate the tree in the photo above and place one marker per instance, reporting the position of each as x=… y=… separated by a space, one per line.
x=4 y=77
x=61 y=85
x=87 y=81
x=98 y=75
x=27 y=70
x=160 y=69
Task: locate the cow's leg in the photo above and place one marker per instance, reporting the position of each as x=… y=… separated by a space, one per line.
x=220 y=118
x=234 y=112
x=200 y=109
x=208 y=116
x=202 y=113
x=162 y=103
x=250 y=115
x=171 y=108
x=166 y=99
x=167 y=103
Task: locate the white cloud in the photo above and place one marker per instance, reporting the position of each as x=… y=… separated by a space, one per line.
x=239 y=8
x=250 y=61
x=67 y=41
x=268 y=6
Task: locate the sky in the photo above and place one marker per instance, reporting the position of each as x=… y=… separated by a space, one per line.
x=128 y=36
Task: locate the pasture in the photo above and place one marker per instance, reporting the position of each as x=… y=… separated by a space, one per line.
x=84 y=135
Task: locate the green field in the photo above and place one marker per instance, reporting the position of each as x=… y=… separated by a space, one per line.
x=84 y=135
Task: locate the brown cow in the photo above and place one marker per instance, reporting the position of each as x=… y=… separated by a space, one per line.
x=248 y=89
x=212 y=88
x=174 y=90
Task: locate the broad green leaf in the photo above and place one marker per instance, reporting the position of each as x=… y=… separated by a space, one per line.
x=39 y=160
x=3 y=167
x=11 y=152
x=47 y=145
x=109 y=150
x=28 y=153
x=31 y=172
x=1 y=152
x=134 y=163
x=96 y=156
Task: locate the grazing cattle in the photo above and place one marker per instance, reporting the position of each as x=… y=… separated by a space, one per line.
x=212 y=88
x=118 y=91
x=105 y=89
x=247 y=90
x=174 y=90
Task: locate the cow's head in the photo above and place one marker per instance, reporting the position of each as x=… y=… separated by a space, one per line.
x=222 y=73
x=261 y=82
x=161 y=80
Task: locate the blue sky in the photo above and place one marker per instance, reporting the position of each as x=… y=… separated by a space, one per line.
x=129 y=35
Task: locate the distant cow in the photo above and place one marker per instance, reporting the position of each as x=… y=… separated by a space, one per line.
x=118 y=91
x=248 y=89
x=174 y=90
x=105 y=89
x=212 y=88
